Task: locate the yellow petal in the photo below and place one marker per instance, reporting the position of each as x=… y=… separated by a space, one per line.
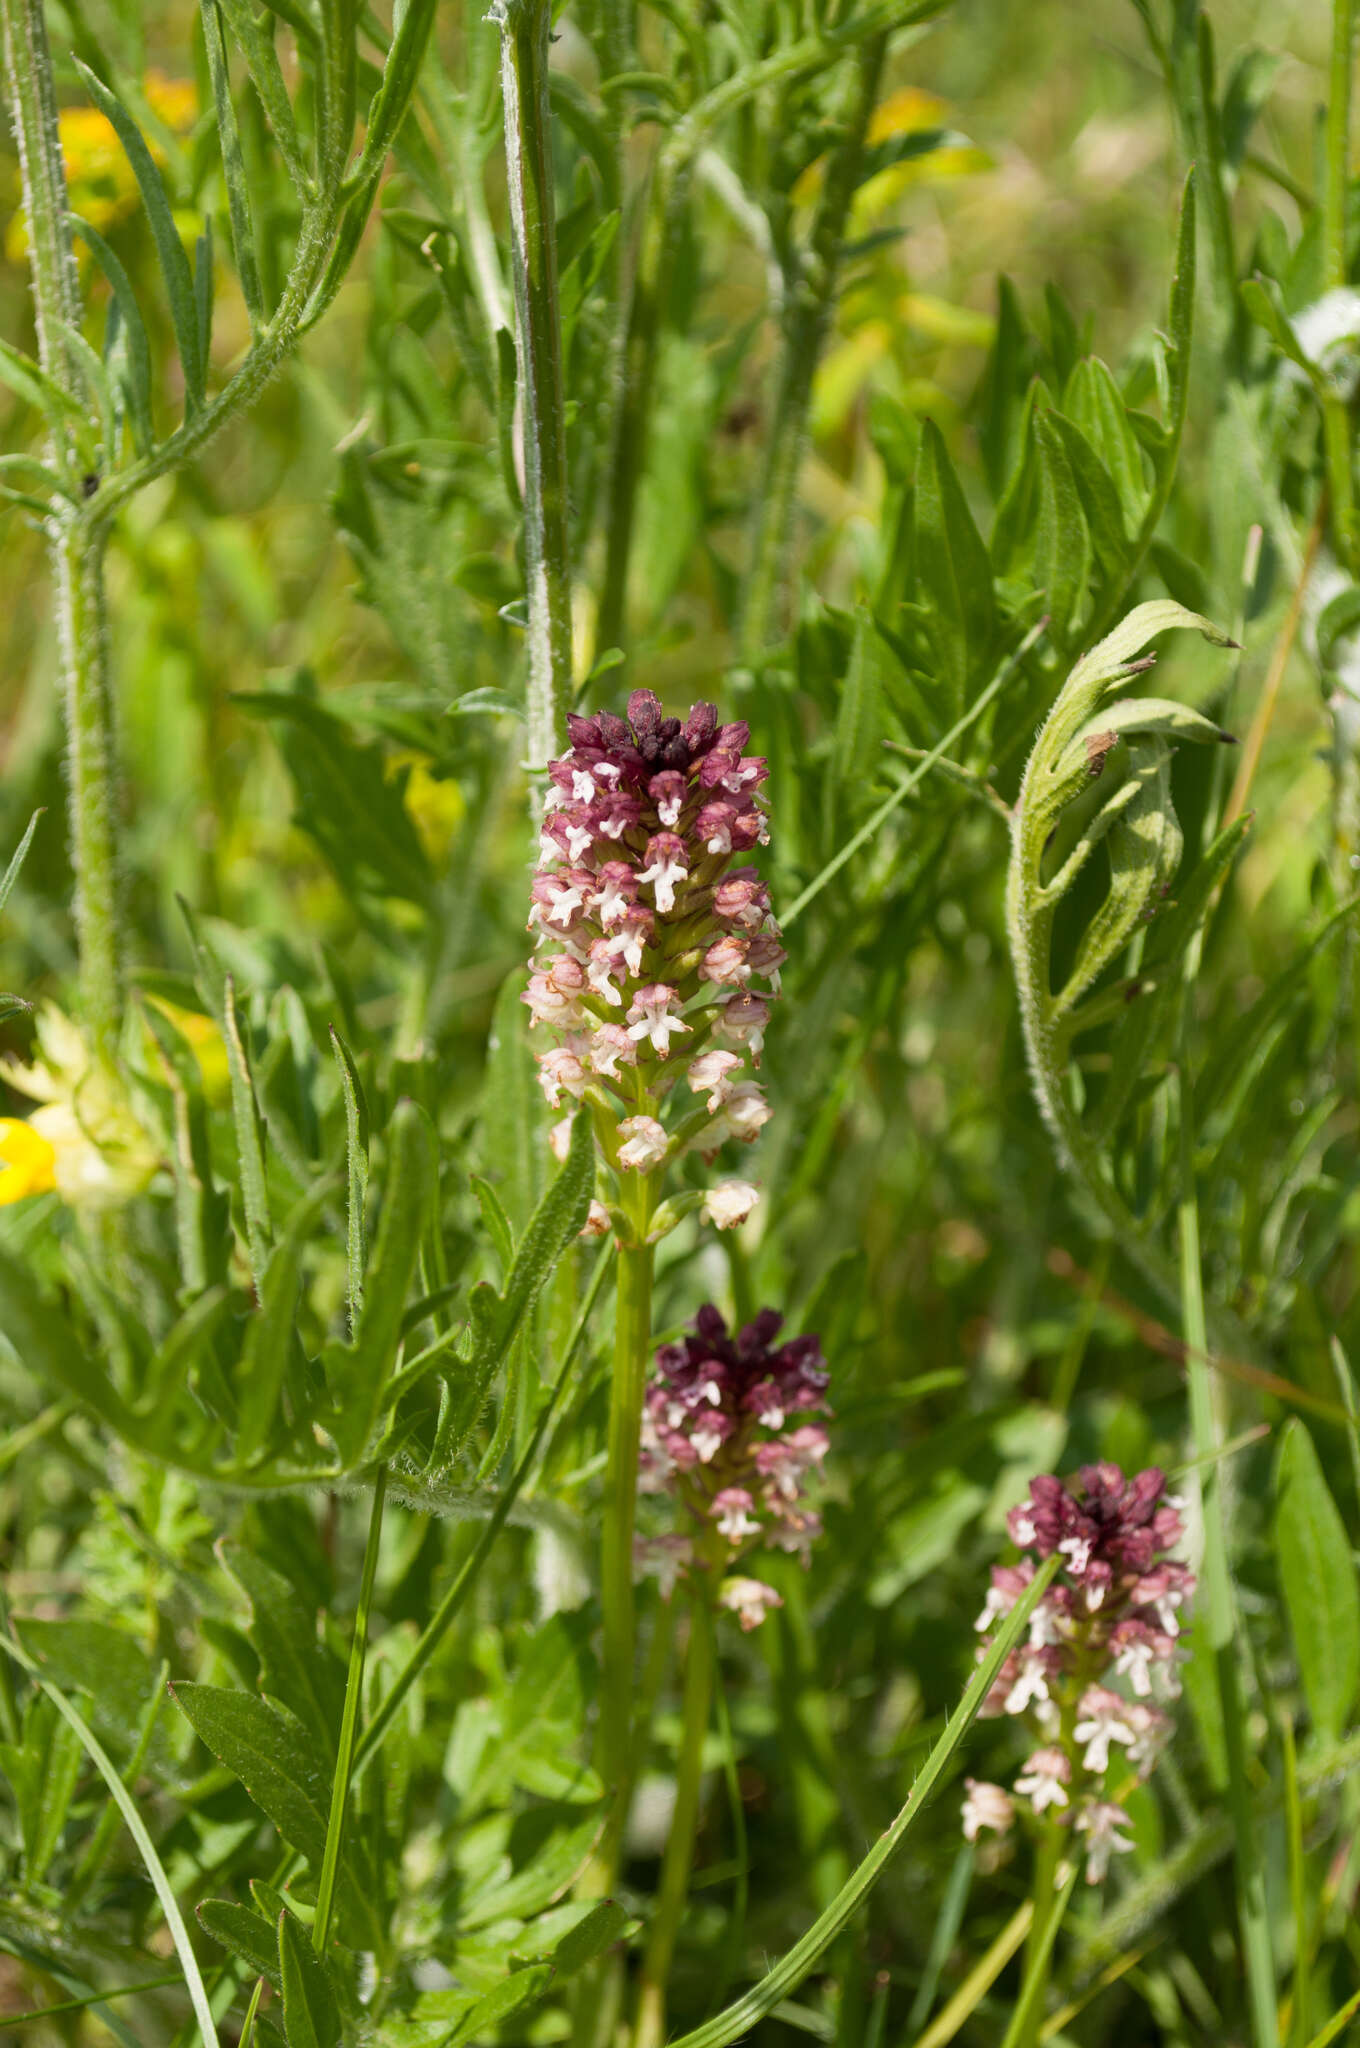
x=27 y=1161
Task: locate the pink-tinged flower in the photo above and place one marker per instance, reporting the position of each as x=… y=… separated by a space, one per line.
x=711 y=1074
x=667 y=864
x=749 y=1599
x=1045 y=1779
x=741 y=1117
x=744 y=1019
x=730 y=1203
x=741 y=898
x=552 y=1000
x=725 y=962
x=714 y=826
x=1147 y=1659
x=731 y=1510
x=618 y=812
x=1008 y=1583
x=559 y=899
x=1100 y=1821
x=668 y=792
x=560 y=1068
x=604 y=965
x=1030 y=1683
x=597 y=1222
x=616 y=893
x=1103 y=1718
x=986 y=1806
x=650 y=1017
x=610 y=1045
x=644 y=1143
x=559 y=1140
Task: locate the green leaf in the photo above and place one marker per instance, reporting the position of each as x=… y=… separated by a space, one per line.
x=1062 y=555
x=295 y=1666
x=179 y=281
x=243 y=1933
x=524 y=1988
x=601 y=1927
x=1339 y=617
x=1261 y=297
x=311 y=2017
x=11 y=874
x=953 y=573
x=256 y=43
x=356 y=1165
x=512 y=1107
x=101 y=1660
x=268 y=1749
x=135 y=375
x=1092 y=400
x=1318 y=1576
x=1095 y=490
x=271 y=1333
x=357 y=1373
x=233 y=166
x=42 y=1772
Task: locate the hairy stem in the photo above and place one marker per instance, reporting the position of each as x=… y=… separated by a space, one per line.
x=524 y=26
x=808 y=307
x=1050 y=1903
x=75 y=543
x=650 y=2031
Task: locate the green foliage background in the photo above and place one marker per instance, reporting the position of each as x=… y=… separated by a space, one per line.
x=319 y=697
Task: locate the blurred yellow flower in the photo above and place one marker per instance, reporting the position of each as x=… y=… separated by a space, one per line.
x=28 y=1160
x=99 y=177
x=84 y=1142
x=434 y=804
x=204 y=1041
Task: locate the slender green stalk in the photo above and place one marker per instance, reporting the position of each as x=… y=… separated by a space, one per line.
x=524 y=27
x=1217 y=1619
x=1051 y=1900
x=1335 y=412
x=650 y=2031
x=33 y=114
x=632 y=1352
x=349 y=1720
x=810 y=301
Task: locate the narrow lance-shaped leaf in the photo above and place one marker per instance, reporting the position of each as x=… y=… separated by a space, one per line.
x=311 y=2018
x=179 y=282
x=233 y=165
x=356 y=1164
x=952 y=567
x=136 y=349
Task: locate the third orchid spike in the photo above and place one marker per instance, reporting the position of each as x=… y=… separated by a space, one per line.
x=658 y=956
x=725 y=1433
x=1112 y=1615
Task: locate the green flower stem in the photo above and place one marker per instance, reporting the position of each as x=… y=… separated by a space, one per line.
x=1336 y=422
x=1217 y=1621
x=807 y=315
x=632 y=1354
x=524 y=27
x=1051 y=1899
x=345 y=1756
x=650 y=2031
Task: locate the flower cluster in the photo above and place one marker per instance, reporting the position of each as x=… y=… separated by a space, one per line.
x=723 y=1431
x=1112 y=1613
x=656 y=953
